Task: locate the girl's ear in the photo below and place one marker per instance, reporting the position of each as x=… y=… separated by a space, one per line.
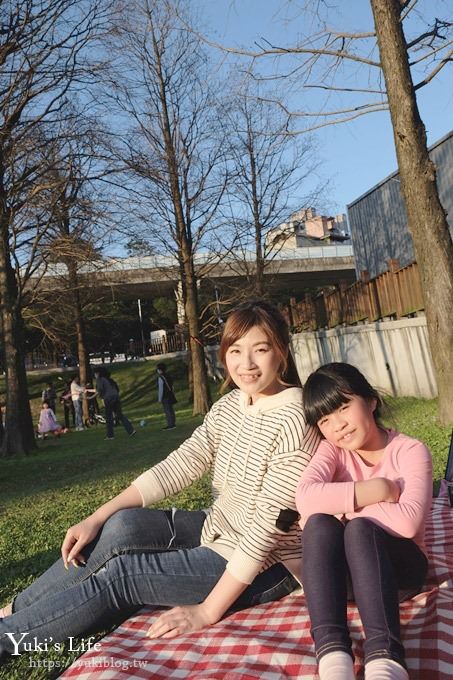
x=373 y=404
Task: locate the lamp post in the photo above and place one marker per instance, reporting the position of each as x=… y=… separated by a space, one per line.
x=139 y=304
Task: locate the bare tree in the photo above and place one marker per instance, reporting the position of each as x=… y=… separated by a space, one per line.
x=78 y=225
x=171 y=150
x=43 y=53
x=323 y=61
x=268 y=171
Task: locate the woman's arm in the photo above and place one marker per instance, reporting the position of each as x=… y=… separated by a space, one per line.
x=79 y=535
x=184 y=465
x=181 y=620
x=174 y=473
x=295 y=446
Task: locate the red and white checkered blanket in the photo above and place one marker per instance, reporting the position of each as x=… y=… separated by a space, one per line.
x=272 y=641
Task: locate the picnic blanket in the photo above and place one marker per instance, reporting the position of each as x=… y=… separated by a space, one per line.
x=272 y=641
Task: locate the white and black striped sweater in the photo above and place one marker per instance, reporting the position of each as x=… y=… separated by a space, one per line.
x=256 y=454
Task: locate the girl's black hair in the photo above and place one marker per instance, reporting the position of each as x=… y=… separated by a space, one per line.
x=332 y=385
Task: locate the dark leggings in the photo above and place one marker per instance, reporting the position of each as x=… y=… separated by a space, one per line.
x=376 y=564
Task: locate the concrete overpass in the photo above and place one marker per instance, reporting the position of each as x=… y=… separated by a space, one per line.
x=291 y=270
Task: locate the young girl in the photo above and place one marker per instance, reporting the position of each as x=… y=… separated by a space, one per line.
x=245 y=549
x=48 y=423
x=363 y=501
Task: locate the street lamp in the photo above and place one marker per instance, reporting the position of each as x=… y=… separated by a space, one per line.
x=139 y=304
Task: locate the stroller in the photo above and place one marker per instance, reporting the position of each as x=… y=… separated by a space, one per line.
x=94 y=415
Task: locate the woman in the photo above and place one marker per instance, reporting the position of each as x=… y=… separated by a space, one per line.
x=245 y=549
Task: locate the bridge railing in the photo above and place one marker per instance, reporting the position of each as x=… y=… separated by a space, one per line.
x=394 y=294
x=122 y=264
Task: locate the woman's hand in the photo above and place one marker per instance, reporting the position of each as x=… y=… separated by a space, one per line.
x=77 y=537
x=180 y=620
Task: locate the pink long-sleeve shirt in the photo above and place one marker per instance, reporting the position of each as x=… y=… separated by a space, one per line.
x=327 y=486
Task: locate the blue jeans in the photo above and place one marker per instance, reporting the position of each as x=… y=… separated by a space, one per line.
x=376 y=565
x=140 y=557
x=113 y=406
x=169 y=412
x=78 y=413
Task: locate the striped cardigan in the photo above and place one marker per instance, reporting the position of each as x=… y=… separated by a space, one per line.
x=255 y=454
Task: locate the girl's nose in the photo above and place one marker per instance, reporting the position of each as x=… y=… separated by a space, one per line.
x=339 y=423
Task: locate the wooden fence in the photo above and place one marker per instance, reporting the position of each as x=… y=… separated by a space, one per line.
x=394 y=294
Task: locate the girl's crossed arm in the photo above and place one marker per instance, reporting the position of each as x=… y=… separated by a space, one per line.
x=318 y=493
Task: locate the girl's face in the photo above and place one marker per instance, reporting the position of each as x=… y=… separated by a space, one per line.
x=352 y=426
x=253 y=364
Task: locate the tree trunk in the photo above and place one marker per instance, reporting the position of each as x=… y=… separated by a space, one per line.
x=427 y=220
x=82 y=354
x=19 y=435
x=259 y=257
x=201 y=395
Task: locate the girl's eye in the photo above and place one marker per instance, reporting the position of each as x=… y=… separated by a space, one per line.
x=344 y=407
x=321 y=422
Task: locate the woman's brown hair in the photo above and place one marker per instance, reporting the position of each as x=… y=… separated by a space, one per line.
x=272 y=323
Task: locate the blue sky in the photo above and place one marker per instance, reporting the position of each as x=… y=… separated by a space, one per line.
x=356 y=155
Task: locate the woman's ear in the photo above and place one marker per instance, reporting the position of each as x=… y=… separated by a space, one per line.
x=373 y=404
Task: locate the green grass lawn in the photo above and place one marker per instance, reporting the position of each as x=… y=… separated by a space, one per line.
x=68 y=478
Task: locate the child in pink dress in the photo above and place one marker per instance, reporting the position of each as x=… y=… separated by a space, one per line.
x=48 y=423
x=363 y=500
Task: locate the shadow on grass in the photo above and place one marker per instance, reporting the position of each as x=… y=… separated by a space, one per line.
x=29 y=568
x=86 y=458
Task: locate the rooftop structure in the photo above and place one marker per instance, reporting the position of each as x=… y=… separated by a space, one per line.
x=306 y=228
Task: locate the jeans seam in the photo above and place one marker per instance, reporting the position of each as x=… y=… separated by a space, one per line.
x=326 y=646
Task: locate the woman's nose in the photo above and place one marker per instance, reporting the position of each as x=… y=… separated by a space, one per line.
x=247 y=360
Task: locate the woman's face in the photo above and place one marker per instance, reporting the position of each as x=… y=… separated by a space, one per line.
x=253 y=364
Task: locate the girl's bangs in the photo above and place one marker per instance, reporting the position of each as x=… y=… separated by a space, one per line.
x=323 y=398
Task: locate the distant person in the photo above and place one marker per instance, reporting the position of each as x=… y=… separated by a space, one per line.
x=77 y=392
x=2 y=424
x=48 y=423
x=166 y=396
x=49 y=395
x=68 y=406
x=132 y=349
x=108 y=390
x=93 y=406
